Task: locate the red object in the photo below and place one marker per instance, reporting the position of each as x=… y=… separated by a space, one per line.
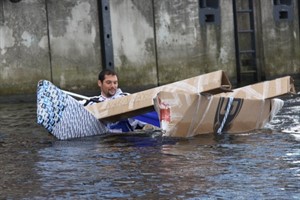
x=165 y=114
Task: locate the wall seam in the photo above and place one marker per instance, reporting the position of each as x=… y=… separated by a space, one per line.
x=155 y=43
x=48 y=37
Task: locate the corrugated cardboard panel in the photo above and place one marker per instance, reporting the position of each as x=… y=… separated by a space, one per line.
x=141 y=102
x=185 y=115
x=264 y=90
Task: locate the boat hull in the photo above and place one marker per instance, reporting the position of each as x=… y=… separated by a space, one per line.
x=63 y=116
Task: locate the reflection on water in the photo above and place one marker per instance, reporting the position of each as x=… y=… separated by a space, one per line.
x=263 y=164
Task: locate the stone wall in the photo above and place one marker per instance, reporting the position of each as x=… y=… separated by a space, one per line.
x=154 y=42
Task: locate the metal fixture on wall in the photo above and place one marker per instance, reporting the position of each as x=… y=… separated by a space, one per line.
x=105 y=34
x=283 y=10
x=209 y=12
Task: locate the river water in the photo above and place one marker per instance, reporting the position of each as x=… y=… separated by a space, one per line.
x=263 y=164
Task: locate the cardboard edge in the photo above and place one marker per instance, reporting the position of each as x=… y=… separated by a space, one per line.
x=290 y=87
x=286 y=87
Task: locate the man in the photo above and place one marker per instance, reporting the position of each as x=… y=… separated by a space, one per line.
x=108 y=84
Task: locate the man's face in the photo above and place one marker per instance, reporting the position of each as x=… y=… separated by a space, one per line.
x=109 y=85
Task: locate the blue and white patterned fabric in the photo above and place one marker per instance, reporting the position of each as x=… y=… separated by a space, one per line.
x=63 y=116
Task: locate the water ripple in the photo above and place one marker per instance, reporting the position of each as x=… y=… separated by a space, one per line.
x=262 y=164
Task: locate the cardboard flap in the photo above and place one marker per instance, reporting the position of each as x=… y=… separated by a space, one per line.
x=264 y=90
x=141 y=102
x=224 y=86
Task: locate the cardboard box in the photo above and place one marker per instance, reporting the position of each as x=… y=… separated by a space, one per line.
x=244 y=109
x=142 y=102
x=186 y=115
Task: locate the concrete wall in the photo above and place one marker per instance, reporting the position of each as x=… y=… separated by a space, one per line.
x=185 y=48
x=154 y=42
x=280 y=42
x=157 y=42
x=75 y=43
x=24 y=57
x=49 y=39
x=133 y=42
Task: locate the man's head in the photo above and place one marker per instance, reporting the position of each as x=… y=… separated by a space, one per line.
x=108 y=82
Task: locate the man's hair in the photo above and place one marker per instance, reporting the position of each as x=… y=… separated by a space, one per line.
x=106 y=72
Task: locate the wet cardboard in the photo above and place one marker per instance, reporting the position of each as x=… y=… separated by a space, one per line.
x=244 y=109
x=142 y=102
x=186 y=115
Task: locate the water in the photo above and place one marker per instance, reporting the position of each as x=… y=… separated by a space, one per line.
x=263 y=164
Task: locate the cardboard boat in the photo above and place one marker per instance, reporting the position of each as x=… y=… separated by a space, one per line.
x=198 y=105
x=65 y=118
